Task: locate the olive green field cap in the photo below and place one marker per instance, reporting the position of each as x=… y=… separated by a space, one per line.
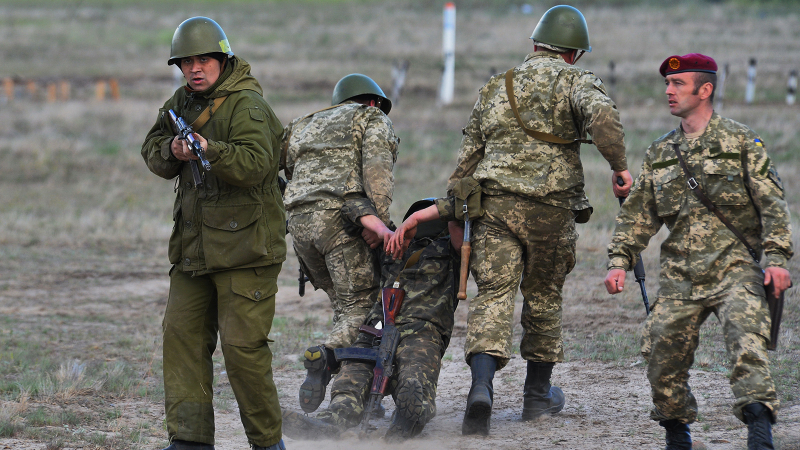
x=198 y=36
x=563 y=26
x=356 y=84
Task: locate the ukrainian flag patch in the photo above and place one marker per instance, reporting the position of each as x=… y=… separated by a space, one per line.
x=759 y=143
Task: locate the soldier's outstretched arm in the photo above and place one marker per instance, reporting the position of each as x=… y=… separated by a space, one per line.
x=398 y=244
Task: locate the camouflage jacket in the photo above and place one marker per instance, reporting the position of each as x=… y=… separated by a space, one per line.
x=701 y=257
x=552 y=97
x=236 y=218
x=345 y=151
x=430 y=286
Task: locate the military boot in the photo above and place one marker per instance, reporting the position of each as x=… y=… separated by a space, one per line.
x=320 y=363
x=678 y=436
x=759 y=426
x=539 y=397
x=178 y=444
x=301 y=427
x=278 y=446
x=478 y=415
x=412 y=412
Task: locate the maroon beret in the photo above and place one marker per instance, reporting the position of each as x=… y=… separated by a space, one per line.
x=693 y=62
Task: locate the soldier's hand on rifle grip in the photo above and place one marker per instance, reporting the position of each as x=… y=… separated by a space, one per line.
x=621 y=190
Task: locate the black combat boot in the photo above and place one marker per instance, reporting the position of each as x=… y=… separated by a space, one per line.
x=678 y=436
x=479 y=401
x=178 y=444
x=759 y=426
x=320 y=362
x=412 y=412
x=539 y=397
x=278 y=446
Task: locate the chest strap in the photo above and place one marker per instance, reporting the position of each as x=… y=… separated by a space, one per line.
x=206 y=114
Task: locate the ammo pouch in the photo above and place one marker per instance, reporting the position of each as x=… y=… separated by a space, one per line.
x=468 y=190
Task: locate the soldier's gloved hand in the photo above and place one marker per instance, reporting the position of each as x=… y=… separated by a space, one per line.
x=625 y=189
x=779 y=278
x=615 y=281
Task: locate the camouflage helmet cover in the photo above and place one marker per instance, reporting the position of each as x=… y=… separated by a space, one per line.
x=357 y=84
x=198 y=36
x=563 y=26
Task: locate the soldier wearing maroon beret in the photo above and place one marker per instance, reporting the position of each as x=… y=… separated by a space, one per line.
x=705 y=267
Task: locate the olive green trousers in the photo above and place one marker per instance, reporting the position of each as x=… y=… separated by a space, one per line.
x=238 y=304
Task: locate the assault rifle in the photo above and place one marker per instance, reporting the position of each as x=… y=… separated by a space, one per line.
x=184 y=133
x=383 y=356
x=638 y=269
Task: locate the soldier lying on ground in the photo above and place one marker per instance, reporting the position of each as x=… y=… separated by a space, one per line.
x=425 y=322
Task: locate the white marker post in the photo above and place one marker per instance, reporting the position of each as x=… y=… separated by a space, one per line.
x=449 y=47
x=791 y=88
x=750 y=90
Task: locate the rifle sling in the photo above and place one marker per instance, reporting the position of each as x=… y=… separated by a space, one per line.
x=547 y=137
x=698 y=192
x=413 y=259
x=206 y=114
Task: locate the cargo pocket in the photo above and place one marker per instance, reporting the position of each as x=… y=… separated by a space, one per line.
x=723 y=183
x=669 y=186
x=246 y=317
x=233 y=235
x=756 y=310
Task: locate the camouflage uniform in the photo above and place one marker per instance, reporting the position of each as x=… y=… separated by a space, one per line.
x=425 y=322
x=226 y=251
x=531 y=189
x=343 y=152
x=704 y=267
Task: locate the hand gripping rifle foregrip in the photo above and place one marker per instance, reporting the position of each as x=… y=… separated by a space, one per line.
x=638 y=269
x=185 y=132
x=392 y=298
x=466 y=251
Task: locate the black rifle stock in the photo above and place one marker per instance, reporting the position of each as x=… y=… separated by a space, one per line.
x=383 y=356
x=184 y=133
x=638 y=269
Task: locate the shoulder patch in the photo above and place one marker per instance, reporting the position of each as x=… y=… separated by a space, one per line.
x=665 y=137
x=759 y=142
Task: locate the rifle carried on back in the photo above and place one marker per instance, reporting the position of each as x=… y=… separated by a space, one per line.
x=184 y=133
x=383 y=356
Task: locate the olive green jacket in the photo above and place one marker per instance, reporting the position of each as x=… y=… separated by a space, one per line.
x=236 y=219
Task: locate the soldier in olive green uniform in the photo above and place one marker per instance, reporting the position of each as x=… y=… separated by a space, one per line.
x=227 y=244
x=425 y=322
x=705 y=268
x=343 y=152
x=527 y=163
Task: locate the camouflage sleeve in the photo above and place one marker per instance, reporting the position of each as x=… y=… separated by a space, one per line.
x=637 y=221
x=766 y=190
x=601 y=117
x=472 y=149
x=156 y=147
x=253 y=144
x=446 y=207
x=352 y=210
x=378 y=155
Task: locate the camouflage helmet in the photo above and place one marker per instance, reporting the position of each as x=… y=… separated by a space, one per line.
x=356 y=84
x=563 y=26
x=429 y=229
x=198 y=36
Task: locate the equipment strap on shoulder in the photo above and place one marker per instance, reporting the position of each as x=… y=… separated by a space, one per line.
x=547 y=137
x=413 y=259
x=206 y=114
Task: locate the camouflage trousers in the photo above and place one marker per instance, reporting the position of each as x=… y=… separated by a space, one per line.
x=519 y=238
x=671 y=336
x=417 y=364
x=240 y=305
x=342 y=265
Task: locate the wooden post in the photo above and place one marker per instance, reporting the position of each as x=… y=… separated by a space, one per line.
x=449 y=47
x=51 y=92
x=398 y=79
x=64 y=90
x=8 y=86
x=100 y=90
x=750 y=90
x=720 y=94
x=114 y=87
x=791 y=88
x=612 y=77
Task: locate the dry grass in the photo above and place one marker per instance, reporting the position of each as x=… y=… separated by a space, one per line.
x=84 y=225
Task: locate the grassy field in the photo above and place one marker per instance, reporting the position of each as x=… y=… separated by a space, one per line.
x=84 y=225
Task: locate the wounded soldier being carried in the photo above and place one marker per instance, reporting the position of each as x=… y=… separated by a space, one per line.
x=427 y=273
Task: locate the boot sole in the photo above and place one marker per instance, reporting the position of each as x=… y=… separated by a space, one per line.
x=477 y=419
x=312 y=391
x=301 y=427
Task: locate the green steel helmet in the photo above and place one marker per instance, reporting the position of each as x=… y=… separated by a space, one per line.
x=198 y=36
x=563 y=26
x=429 y=229
x=356 y=84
